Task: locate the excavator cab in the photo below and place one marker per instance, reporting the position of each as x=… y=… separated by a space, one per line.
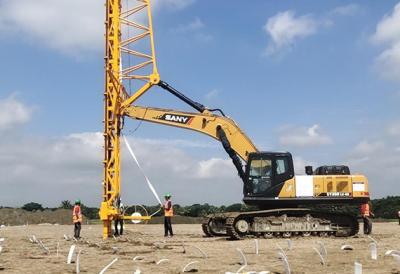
x=266 y=173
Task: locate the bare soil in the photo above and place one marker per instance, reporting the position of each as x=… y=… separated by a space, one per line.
x=18 y=216
x=19 y=255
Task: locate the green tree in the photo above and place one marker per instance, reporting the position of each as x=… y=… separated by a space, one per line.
x=66 y=204
x=234 y=208
x=32 y=206
x=386 y=208
x=90 y=212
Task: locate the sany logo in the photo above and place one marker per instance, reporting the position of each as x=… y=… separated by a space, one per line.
x=181 y=119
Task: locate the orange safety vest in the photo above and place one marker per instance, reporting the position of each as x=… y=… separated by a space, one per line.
x=168 y=212
x=365 y=212
x=77 y=214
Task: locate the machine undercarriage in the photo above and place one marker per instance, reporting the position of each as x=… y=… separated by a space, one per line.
x=285 y=223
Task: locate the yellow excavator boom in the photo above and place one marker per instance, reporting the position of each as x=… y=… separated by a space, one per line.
x=207 y=123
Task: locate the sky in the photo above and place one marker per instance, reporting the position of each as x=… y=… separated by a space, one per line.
x=320 y=79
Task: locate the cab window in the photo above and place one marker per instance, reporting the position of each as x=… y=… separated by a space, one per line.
x=281 y=166
x=260 y=175
x=260 y=168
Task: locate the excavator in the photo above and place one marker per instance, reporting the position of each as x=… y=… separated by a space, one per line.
x=284 y=201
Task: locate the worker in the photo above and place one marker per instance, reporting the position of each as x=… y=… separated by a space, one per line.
x=77 y=219
x=398 y=216
x=168 y=213
x=119 y=222
x=365 y=214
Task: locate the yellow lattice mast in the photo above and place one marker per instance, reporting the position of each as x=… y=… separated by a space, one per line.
x=129 y=58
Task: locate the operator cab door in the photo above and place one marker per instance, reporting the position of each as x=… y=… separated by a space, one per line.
x=266 y=174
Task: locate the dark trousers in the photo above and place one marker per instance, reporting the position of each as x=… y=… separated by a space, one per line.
x=367 y=225
x=77 y=230
x=399 y=220
x=168 y=226
x=119 y=231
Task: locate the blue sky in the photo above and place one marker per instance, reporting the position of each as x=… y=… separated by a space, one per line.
x=317 y=78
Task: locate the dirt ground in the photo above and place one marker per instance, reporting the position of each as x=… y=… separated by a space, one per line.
x=18 y=216
x=19 y=255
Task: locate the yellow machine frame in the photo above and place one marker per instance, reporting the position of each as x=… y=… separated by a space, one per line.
x=116 y=99
x=118 y=103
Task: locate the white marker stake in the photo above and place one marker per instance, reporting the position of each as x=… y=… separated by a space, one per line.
x=396 y=257
x=78 y=270
x=322 y=249
x=256 y=245
x=285 y=262
x=58 y=248
x=372 y=239
x=44 y=247
x=241 y=268
x=107 y=266
x=346 y=247
x=374 y=252
x=281 y=251
x=357 y=268
x=138 y=258
x=320 y=256
x=199 y=249
x=161 y=261
x=289 y=244
x=189 y=264
x=1 y=249
x=390 y=252
x=70 y=254
x=244 y=261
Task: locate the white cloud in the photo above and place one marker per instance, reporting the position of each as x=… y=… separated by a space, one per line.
x=388 y=63
x=379 y=160
x=194 y=29
x=203 y=37
x=394 y=129
x=285 y=28
x=303 y=137
x=299 y=165
x=70 y=166
x=212 y=94
x=367 y=147
x=194 y=25
x=173 y=4
x=387 y=30
x=215 y=167
x=70 y=26
x=66 y=25
x=13 y=112
x=347 y=10
x=387 y=34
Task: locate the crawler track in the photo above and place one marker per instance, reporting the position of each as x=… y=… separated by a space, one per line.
x=281 y=222
x=214 y=226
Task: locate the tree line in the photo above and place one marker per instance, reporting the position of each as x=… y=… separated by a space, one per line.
x=384 y=208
